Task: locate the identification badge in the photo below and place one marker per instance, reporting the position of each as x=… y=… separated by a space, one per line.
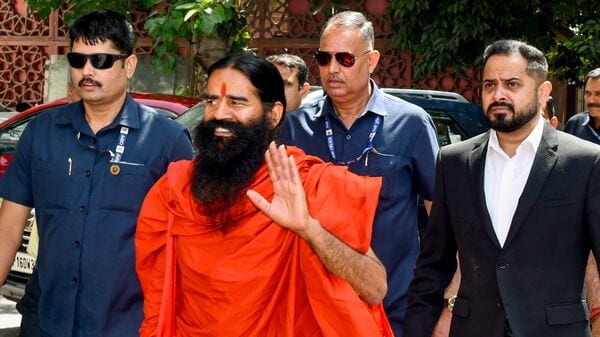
x=115 y=169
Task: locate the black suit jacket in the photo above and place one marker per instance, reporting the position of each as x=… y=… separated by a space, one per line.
x=537 y=279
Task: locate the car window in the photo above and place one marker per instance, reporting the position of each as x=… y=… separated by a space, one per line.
x=448 y=132
x=10 y=136
x=165 y=112
x=191 y=118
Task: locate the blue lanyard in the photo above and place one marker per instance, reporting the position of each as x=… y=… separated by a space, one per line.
x=331 y=145
x=120 y=149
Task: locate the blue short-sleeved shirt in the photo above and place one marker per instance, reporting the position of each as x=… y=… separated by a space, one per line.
x=405 y=150
x=86 y=212
x=579 y=125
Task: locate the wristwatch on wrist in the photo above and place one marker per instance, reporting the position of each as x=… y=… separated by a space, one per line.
x=450 y=302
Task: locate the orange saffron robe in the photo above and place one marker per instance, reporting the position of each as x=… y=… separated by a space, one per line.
x=258 y=279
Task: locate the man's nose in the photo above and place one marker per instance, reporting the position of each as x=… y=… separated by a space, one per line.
x=222 y=111
x=88 y=69
x=334 y=65
x=499 y=94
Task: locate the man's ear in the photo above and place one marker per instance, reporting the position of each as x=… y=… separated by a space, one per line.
x=276 y=114
x=373 y=60
x=304 y=89
x=130 y=65
x=544 y=90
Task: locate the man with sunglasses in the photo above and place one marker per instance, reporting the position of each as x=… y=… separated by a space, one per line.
x=374 y=134
x=86 y=168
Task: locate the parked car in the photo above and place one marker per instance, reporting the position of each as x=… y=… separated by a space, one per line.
x=10 y=132
x=11 y=129
x=454 y=117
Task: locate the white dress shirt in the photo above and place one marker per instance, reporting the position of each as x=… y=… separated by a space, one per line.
x=505 y=178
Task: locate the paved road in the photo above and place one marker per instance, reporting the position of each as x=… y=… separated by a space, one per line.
x=9 y=318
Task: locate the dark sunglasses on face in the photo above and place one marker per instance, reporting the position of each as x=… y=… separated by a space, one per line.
x=99 y=61
x=344 y=58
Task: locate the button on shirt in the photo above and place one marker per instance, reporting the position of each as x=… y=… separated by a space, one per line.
x=505 y=178
x=87 y=214
x=405 y=150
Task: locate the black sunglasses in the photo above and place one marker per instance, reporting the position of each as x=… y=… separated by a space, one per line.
x=99 y=61
x=344 y=58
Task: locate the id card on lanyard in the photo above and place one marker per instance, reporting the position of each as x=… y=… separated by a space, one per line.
x=115 y=158
x=331 y=145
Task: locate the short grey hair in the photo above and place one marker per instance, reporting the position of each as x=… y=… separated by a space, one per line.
x=353 y=20
x=594 y=74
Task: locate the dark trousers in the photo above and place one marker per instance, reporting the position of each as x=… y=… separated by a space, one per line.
x=507 y=330
x=28 y=306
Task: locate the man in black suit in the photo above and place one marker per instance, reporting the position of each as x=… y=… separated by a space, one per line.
x=521 y=206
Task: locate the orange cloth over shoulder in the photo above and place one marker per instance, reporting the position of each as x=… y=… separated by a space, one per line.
x=257 y=279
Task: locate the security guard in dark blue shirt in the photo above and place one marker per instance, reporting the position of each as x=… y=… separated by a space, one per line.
x=86 y=168
x=586 y=125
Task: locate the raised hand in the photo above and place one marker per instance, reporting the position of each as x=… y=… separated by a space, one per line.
x=288 y=207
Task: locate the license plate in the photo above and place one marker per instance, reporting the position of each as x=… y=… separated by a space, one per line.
x=23 y=263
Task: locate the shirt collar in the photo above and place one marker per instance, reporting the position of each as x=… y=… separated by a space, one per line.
x=376 y=103
x=128 y=116
x=586 y=119
x=533 y=139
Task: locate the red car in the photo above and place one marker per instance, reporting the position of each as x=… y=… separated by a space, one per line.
x=11 y=129
x=10 y=132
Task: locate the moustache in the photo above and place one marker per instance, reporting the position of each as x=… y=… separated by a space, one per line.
x=593 y=105
x=234 y=127
x=89 y=81
x=503 y=104
x=335 y=78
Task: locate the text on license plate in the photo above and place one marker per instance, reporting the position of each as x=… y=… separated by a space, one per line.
x=23 y=263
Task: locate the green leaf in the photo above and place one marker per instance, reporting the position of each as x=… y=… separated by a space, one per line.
x=191 y=13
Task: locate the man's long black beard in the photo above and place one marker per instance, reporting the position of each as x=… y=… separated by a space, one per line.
x=224 y=167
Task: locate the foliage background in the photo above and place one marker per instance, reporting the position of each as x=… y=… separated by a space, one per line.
x=443 y=35
x=453 y=34
x=169 y=21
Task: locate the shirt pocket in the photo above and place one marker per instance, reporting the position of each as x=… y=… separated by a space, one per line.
x=50 y=183
x=126 y=190
x=394 y=169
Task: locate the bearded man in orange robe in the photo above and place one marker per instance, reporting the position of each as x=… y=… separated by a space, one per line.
x=251 y=239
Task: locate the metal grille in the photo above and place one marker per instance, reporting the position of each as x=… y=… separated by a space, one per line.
x=274 y=30
x=26 y=43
